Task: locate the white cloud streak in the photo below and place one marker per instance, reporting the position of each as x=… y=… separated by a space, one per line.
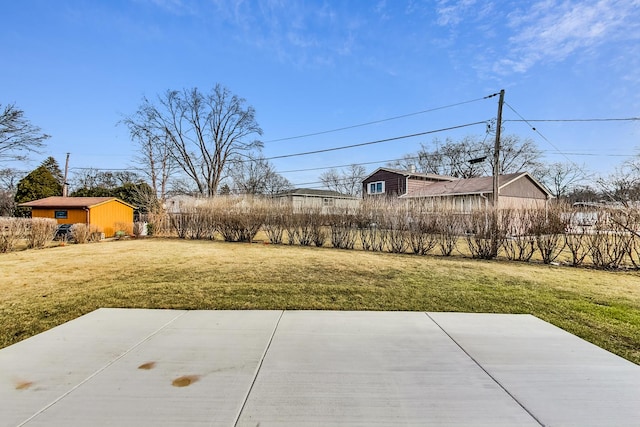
x=551 y=30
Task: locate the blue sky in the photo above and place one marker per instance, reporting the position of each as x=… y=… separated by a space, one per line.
x=76 y=67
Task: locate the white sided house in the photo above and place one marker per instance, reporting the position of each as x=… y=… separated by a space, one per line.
x=516 y=191
x=326 y=200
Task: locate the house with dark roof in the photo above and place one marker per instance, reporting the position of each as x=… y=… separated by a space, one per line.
x=390 y=182
x=108 y=214
x=516 y=190
x=326 y=200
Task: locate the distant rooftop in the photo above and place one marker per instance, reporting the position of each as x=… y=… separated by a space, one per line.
x=313 y=192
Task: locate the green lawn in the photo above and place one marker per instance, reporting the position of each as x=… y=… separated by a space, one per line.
x=44 y=288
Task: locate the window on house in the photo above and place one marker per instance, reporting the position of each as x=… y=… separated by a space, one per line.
x=61 y=214
x=327 y=202
x=376 y=187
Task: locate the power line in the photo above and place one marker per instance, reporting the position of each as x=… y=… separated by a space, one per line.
x=538 y=132
x=344 y=147
x=380 y=121
x=592 y=154
x=584 y=173
x=350 y=164
x=625 y=119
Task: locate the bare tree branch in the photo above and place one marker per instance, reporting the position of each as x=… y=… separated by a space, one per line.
x=202 y=132
x=345 y=181
x=18 y=135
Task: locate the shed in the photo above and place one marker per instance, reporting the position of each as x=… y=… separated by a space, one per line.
x=108 y=214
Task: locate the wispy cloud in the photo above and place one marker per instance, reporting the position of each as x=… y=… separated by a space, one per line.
x=300 y=33
x=452 y=12
x=176 y=7
x=552 y=30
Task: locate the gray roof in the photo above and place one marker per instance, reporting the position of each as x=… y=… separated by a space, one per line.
x=314 y=193
x=479 y=185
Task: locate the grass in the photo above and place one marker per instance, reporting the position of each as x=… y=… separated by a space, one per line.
x=44 y=288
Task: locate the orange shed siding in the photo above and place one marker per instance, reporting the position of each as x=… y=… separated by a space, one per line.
x=74 y=215
x=108 y=216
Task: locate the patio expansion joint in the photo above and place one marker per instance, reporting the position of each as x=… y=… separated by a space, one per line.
x=111 y=362
x=255 y=375
x=494 y=379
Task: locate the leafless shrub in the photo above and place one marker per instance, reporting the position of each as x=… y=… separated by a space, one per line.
x=548 y=226
x=485 y=232
x=448 y=227
x=519 y=243
x=276 y=221
x=180 y=223
x=610 y=241
x=343 y=228
x=80 y=233
x=626 y=221
x=633 y=225
x=83 y=233
x=205 y=220
x=292 y=227
x=318 y=227
x=422 y=229
x=41 y=232
x=368 y=218
x=196 y=220
x=309 y=226
x=12 y=231
x=396 y=225
x=634 y=250
x=577 y=239
x=239 y=219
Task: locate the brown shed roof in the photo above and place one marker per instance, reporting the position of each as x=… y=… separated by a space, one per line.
x=479 y=185
x=71 y=202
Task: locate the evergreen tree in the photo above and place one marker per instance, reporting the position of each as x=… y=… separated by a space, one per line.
x=53 y=167
x=40 y=183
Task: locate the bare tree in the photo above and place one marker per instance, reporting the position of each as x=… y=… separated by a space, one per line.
x=472 y=157
x=516 y=155
x=451 y=158
x=154 y=157
x=8 y=183
x=88 y=178
x=203 y=131
x=256 y=176
x=17 y=134
x=623 y=185
x=9 y=178
x=562 y=178
x=345 y=181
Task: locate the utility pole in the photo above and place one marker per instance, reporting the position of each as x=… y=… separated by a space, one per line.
x=496 y=153
x=65 y=186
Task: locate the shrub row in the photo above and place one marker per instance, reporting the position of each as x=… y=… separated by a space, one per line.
x=611 y=241
x=37 y=233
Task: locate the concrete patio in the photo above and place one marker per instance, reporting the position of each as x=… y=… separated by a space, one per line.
x=127 y=367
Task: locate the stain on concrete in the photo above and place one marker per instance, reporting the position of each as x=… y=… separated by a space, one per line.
x=147 y=365
x=23 y=385
x=185 y=380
